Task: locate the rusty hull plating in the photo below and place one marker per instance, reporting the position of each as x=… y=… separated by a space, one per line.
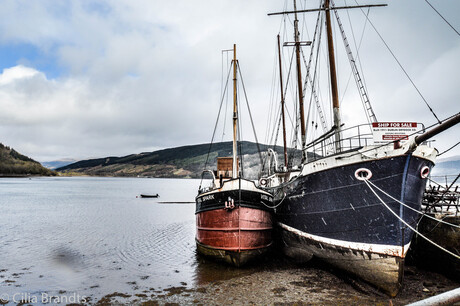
x=235 y=236
x=232 y=222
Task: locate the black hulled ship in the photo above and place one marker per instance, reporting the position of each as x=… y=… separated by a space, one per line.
x=350 y=201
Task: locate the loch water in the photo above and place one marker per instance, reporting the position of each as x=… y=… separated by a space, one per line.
x=90 y=236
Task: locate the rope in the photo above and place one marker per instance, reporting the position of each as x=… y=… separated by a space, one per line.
x=434 y=182
x=407 y=224
x=401 y=66
x=449 y=149
x=405 y=205
x=273 y=207
x=357 y=47
x=442 y=17
x=215 y=126
x=250 y=115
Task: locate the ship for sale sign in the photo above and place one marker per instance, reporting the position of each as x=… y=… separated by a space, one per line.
x=385 y=132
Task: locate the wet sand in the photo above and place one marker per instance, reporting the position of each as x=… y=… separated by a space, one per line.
x=271 y=281
x=286 y=283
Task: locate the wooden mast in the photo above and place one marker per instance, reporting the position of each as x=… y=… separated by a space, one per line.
x=282 y=105
x=235 y=118
x=299 y=80
x=333 y=73
x=335 y=97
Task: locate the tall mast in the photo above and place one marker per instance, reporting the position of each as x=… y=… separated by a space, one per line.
x=299 y=79
x=335 y=95
x=330 y=43
x=282 y=105
x=235 y=118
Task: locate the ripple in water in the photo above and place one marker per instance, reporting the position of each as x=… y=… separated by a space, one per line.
x=93 y=236
x=167 y=253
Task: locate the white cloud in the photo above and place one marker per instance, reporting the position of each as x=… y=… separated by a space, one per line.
x=141 y=75
x=10 y=75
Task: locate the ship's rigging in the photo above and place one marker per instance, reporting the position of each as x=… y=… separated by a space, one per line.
x=319 y=119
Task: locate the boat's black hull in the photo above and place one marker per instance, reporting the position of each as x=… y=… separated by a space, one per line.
x=335 y=216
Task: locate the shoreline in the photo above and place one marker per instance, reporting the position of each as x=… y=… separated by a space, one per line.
x=286 y=283
x=271 y=281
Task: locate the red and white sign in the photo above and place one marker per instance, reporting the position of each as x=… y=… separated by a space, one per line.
x=394 y=124
x=385 y=132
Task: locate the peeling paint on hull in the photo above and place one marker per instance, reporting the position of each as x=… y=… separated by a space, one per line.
x=385 y=271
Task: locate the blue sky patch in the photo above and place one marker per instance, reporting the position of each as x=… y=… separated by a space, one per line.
x=30 y=56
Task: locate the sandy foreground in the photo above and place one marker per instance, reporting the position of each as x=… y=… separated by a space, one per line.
x=290 y=284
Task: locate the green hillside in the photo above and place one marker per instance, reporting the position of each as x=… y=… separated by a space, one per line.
x=186 y=161
x=14 y=164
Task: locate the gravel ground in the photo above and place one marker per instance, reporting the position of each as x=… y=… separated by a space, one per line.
x=286 y=283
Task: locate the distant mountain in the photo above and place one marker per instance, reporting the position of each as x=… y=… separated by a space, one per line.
x=448 y=166
x=13 y=164
x=58 y=163
x=186 y=161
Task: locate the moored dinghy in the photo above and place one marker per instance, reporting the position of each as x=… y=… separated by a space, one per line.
x=144 y=195
x=233 y=219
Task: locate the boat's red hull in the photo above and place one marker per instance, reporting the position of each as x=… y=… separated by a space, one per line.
x=234 y=235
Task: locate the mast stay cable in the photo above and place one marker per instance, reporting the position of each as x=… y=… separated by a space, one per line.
x=215 y=126
x=359 y=82
x=401 y=66
x=250 y=115
x=442 y=17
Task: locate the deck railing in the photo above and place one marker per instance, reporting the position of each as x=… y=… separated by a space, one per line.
x=351 y=138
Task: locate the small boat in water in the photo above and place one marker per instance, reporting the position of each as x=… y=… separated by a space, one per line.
x=233 y=216
x=150 y=195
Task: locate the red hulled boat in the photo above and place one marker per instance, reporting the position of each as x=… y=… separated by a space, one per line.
x=233 y=216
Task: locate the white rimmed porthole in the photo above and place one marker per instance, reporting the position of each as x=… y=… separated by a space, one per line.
x=425 y=172
x=363 y=174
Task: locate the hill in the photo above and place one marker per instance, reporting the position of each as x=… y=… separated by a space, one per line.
x=54 y=164
x=446 y=169
x=189 y=161
x=14 y=164
x=186 y=161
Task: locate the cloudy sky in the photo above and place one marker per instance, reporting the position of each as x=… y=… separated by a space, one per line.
x=84 y=79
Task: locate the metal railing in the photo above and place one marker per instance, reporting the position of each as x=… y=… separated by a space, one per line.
x=351 y=139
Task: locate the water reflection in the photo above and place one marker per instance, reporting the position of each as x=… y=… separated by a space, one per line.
x=93 y=236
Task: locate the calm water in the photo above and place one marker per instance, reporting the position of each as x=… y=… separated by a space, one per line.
x=94 y=236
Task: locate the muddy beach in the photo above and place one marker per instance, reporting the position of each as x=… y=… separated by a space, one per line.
x=278 y=281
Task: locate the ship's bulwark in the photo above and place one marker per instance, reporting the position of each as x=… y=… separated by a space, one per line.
x=334 y=216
